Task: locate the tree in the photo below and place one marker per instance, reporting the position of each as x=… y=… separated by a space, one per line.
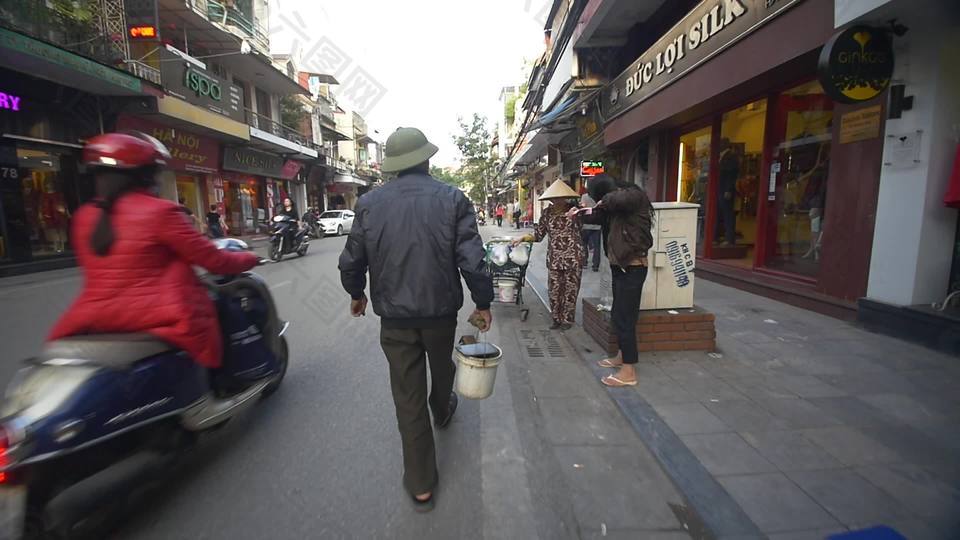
x=477 y=166
x=444 y=175
x=292 y=112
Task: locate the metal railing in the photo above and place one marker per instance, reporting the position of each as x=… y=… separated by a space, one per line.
x=144 y=71
x=231 y=17
x=276 y=128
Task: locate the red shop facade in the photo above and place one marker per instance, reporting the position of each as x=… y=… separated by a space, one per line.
x=194 y=164
x=787 y=179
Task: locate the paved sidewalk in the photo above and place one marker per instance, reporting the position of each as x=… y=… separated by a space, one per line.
x=609 y=485
x=804 y=424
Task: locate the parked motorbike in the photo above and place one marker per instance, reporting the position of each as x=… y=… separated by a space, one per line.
x=312 y=224
x=94 y=420
x=286 y=237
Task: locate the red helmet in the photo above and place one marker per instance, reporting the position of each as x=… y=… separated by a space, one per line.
x=127 y=150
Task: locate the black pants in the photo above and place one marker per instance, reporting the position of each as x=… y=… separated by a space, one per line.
x=516 y=219
x=727 y=217
x=408 y=351
x=499 y=221
x=627 y=289
x=591 y=241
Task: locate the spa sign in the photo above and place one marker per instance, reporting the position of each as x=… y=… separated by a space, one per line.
x=856 y=64
x=189 y=81
x=708 y=29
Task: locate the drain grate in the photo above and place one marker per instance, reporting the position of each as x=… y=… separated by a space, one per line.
x=534 y=352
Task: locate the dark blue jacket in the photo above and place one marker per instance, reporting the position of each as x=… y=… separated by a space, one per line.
x=416 y=236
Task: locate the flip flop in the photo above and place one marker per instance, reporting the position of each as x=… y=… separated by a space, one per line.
x=608 y=364
x=422 y=507
x=613 y=381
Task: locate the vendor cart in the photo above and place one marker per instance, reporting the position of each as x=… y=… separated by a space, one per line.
x=507 y=265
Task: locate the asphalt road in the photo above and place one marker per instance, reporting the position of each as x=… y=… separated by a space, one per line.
x=321 y=458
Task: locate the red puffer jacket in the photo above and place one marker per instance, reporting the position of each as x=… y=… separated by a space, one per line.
x=146 y=282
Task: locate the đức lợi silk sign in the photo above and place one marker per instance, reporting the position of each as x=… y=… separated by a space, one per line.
x=708 y=29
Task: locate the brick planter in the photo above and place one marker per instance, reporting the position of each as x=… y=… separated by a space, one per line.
x=688 y=330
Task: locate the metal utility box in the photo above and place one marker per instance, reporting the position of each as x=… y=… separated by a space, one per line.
x=673 y=258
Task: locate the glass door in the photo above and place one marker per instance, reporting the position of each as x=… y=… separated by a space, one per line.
x=740 y=154
x=797 y=183
x=693 y=175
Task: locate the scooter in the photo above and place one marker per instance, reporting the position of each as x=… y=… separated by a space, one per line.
x=93 y=421
x=280 y=238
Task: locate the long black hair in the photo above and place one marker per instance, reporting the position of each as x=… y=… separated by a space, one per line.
x=111 y=185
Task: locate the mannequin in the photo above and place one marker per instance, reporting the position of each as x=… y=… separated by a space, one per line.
x=54 y=215
x=814 y=198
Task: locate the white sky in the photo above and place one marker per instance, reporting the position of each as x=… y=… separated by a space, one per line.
x=437 y=59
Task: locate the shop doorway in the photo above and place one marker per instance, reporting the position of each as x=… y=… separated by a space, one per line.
x=693 y=174
x=739 y=158
x=797 y=184
x=188 y=195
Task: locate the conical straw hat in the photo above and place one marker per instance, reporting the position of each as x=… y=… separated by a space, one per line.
x=559 y=190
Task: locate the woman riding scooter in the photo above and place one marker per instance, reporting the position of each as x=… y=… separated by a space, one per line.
x=137 y=253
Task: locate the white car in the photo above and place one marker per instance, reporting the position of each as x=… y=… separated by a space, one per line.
x=336 y=222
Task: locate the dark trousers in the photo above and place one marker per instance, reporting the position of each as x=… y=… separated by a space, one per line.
x=727 y=217
x=516 y=219
x=499 y=221
x=627 y=289
x=591 y=241
x=408 y=351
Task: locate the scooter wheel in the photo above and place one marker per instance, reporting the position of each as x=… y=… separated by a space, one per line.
x=302 y=251
x=284 y=360
x=275 y=253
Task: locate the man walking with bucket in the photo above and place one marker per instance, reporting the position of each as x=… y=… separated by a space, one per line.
x=417 y=236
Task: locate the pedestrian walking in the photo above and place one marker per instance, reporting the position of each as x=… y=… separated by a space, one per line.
x=625 y=215
x=517 y=213
x=564 y=252
x=416 y=236
x=216 y=226
x=499 y=213
x=590 y=235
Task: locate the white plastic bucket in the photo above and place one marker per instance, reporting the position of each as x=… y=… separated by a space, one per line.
x=475 y=376
x=508 y=291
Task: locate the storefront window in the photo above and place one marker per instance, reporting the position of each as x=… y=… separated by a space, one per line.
x=801 y=160
x=738 y=183
x=38 y=191
x=694 y=174
x=188 y=194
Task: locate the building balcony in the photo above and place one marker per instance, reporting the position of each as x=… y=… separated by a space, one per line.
x=235 y=21
x=73 y=27
x=272 y=135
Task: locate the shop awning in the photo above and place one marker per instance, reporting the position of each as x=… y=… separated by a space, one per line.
x=181 y=113
x=349 y=179
x=45 y=61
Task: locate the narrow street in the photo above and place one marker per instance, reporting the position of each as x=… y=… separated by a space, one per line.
x=321 y=459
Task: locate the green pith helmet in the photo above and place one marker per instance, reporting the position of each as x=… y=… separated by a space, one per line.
x=405 y=148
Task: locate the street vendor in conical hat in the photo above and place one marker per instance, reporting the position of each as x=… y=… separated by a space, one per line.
x=564 y=252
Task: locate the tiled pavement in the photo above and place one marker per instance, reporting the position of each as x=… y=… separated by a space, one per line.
x=810 y=424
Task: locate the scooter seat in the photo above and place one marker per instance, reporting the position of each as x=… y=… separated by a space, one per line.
x=117 y=351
